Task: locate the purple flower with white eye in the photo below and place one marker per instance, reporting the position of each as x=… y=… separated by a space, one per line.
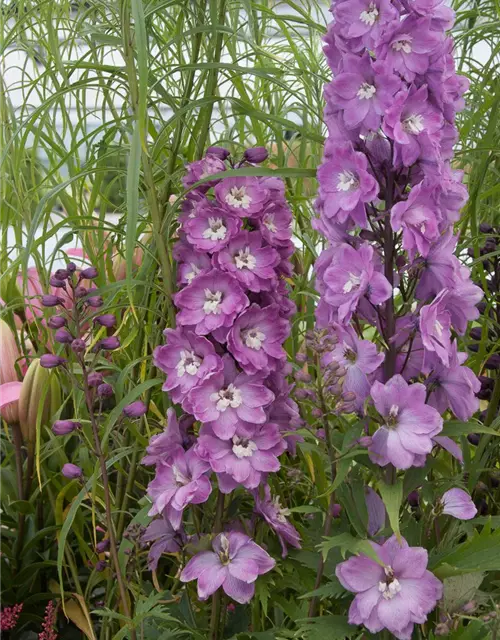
x=164 y=445
x=276 y=224
x=376 y=511
x=177 y=483
x=395 y=594
x=246 y=457
x=228 y=399
x=458 y=503
x=441 y=16
x=435 y=328
x=366 y=19
x=409 y=424
x=243 y=196
x=211 y=301
x=187 y=359
x=409 y=47
x=276 y=517
x=252 y=264
x=191 y=263
x=360 y=358
x=440 y=267
x=352 y=275
x=417 y=217
x=256 y=338
x=234 y=564
x=346 y=185
x=364 y=90
x=210 y=228
x=414 y=125
x=461 y=300
x=164 y=538
x=207 y=166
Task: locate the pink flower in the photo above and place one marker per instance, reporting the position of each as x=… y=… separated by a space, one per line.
x=458 y=503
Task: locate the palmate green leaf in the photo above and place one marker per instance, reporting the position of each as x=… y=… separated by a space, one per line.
x=392 y=495
x=479 y=553
x=331 y=627
x=347 y=542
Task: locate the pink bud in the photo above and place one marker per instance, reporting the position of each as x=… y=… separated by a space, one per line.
x=9 y=354
x=71 y=471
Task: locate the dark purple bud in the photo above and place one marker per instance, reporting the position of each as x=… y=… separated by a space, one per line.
x=495 y=479
x=63 y=336
x=100 y=566
x=413 y=499
x=50 y=361
x=484 y=394
x=56 y=322
x=482 y=507
x=484 y=227
x=102 y=546
x=71 y=471
x=400 y=262
x=476 y=333
x=78 y=345
x=255 y=155
x=105 y=390
x=95 y=302
x=62 y=274
x=303 y=376
x=81 y=291
x=89 y=274
x=106 y=320
x=474 y=348
x=336 y=510
x=55 y=282
x=95 y=379
x=302 y=394
x=63 y=427
x=109 y=344
x=301 y=358
x=50 y=300
x=493 y=362
x=71 y=267
x=365 y=441
x=135 y=409
x=490 y=245
x=474 y=438
x=481 y=307
x=218 y=152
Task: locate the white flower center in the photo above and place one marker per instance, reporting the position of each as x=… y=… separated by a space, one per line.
x=180 y=478
x=414 y=124
x=254 y=338
x=245 y=260
x=269 y=223
x=243 y=448
x=216 y=229
x=281 y=512
x=189 y=363
x=366 y=91
x=228 y=397
x=347 y=181
x=404 y=44
x=238 y=198
x=393 y=411
x=224 y=543
x=353 y=283
x=391 y=586
x=369 y=16
x=192 y=274
x=212 y=302
x=439 y=328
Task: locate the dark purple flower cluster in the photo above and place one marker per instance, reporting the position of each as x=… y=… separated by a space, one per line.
x=225 y=362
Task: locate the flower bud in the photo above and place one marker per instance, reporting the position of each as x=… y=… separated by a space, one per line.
x=63 y=336
x=105 y=390
x=255 y=155
x=469 y=607
x=341 y=372
x=78 y=345
x=218 y=152
x=302 y=394
x=303 y=376
x=95 y=302
x=349 y=396
x=9 y=354
x=109 y=344
x=71 y=267
x=102 y=546
x=365 y=441
x=316 y=412
x=106 y=320
x=493 y=362
x=81 y=291
x=57 y=322
x=301 y=358
x=56 y=282
x=484 y=227
x=336 y=510
x=413 y=499
x=366 y=234
x=51 y=361
x=40 y=391
x=474 y=438
x=89 y=274
x=100 y=566
x=95 y=379
x=61 y=274
x=135 y=409
x=49 y=300
x=71 y=471
x=63 y=427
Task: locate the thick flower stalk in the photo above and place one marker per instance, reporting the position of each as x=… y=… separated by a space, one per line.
x=226 y=368
x=388 y=199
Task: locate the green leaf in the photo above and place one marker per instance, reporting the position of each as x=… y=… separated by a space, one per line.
x=479 y=553
x=22 y=506
x=392 y=495
x=346 y=542
x=133 y=173
x=457 y=428
x=460 y=589
x=331 y=627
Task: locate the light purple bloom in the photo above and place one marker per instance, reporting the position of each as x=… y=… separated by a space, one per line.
x=365 y=19
x=346 y=185
x=234 y=564
x=376 y=511
x=211 y=301
x=165 y=539
x=210 y=228
x=461 y=301
x=243 y=196
x=276 y=224
x=191 y=263
x=458 y=503
x=207 y=166
x=409 y=423
x=249 y=262
x=187 y=359
x=164 y=445
x=435 y=328
x=178 y=483
x=246 y=457
x=276 y=517
x=256 y=338
x=439 y=269
x=352 y=275
x=229 y=399
x=395 y=595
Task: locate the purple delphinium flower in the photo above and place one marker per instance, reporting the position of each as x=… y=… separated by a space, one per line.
x=409 y=423
x=243 y=196
x=178 y=483
x=256 y=338
x=376 y=511
x=211 y=227
x=187 y=359
x=395 y=594
x=234 y=564
x=458 y=503
x=346 y=185
x=276 y=224
x=461 y=300
x=365 y=19
x=276 y=517
x=230 y=399
x=249 y=262
x=435 y=328
x=191 y=262
x=211 y=301
x=438 y=270
x=164 y=539
x=246 y=457
x=207 y=166
x=163 y=445
x=352 y=275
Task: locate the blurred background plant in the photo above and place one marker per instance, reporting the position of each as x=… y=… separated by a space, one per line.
x=101 y=106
